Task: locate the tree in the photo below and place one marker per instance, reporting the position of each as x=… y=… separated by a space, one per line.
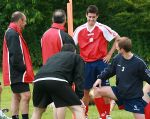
x=128 y=17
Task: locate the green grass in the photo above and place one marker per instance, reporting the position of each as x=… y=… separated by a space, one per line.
x=116 y=114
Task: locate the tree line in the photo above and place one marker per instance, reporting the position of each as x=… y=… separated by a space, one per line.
x=127 y=17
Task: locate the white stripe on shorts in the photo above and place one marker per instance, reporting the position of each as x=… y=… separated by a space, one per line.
x=50 y=78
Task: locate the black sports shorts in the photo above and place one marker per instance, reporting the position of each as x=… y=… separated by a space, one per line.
x=20 y=87
x=59 y=92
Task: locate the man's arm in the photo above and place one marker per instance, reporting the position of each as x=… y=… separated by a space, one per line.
x=146 y=91
x=112 y=50
x=106 y=73
x=143 y=71
x=66 y=38
x=79 y=76
x=97 y=83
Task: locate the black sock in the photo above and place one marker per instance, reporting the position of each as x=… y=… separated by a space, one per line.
x=25 y=116
x=15 y=117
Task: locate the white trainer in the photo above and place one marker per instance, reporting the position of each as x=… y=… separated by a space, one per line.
x=3 y=116
x=108 y=117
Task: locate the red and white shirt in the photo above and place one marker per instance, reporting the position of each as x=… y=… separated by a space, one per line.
x=93 y=43
x=53 y=40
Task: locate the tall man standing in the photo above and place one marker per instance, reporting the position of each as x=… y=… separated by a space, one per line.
x=17 y=65
x=93 y=38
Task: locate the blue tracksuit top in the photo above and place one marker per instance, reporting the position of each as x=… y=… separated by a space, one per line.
x=130 y=75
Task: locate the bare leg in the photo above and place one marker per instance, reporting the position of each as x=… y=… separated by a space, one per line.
x=86 y=100
x=37 y=113
x=25 y=98
x=112 y=105
x=61 y=112
x=78 y=111
x=86 y=97
x=104 y=91
x=139 y=116
x=15 y=104
x=146 y=89
x=54 y=110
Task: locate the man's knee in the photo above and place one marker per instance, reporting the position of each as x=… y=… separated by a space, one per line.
x=39 y=110
x=26 y=96
x=97 y=93
x=76 y=109
x=16 y=97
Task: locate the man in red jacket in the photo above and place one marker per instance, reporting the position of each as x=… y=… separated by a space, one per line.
x=53 y=40
x=55 y=37
x=17 y=65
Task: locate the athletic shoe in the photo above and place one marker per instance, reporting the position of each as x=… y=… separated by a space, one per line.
x=3 y=116
x=108 y=117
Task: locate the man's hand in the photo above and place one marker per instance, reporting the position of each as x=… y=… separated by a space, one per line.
x=107 y=58
x=83 y=105
x=97 y=82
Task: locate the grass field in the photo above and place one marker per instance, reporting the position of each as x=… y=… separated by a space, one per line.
x=116 y=114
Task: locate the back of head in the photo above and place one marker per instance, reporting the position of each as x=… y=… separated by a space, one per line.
x=68 y=47
x=16 y=16
x=92 y=9
x=59 y=16
x=125 y=43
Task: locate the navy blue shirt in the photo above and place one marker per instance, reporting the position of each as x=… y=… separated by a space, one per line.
x=130 y=75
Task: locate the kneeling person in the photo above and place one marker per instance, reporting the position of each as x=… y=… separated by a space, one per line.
x=131 y=71
x=53 y=83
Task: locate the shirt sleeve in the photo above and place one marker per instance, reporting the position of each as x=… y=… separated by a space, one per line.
x=108 y=33
x=66 y=38
x=144 y=72
x=109 y=71
x=79 y=76
x=75 y=36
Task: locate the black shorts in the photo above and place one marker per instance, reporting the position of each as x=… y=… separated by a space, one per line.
x=20 y=87
x=59 y=92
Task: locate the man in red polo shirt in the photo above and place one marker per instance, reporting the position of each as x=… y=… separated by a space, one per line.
x=93 y=38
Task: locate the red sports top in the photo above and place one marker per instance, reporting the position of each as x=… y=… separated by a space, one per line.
x=93 y=43
x=51 y=41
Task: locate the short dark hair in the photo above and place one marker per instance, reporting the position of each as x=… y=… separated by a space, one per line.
x=125 y=43
x=68 y=47
x=92 y=9
x=59 y=16
x=16 y=16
